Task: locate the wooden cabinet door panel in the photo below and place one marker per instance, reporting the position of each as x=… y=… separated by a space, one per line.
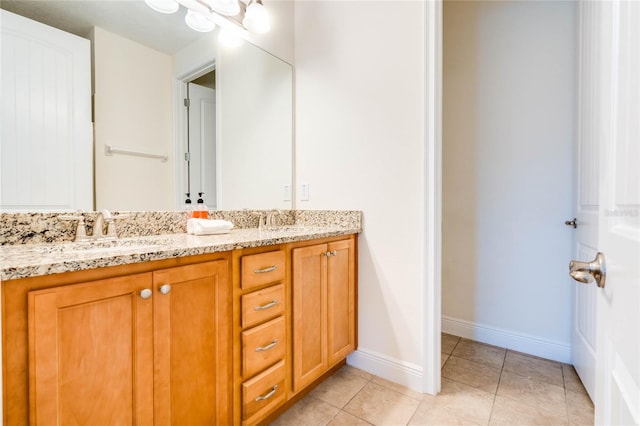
x=91 y=354
x=192 y=344
x=309 y=316
x=340 y=300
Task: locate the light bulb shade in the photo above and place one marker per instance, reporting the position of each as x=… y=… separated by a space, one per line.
x=256 y=19
x=225 y=7
x=197 y=22
x=163 y=6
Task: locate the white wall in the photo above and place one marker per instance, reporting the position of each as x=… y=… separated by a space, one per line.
x=133 y=111
x=509 y=83
x=360 y=135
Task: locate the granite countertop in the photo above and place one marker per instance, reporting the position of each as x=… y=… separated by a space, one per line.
x=32 y=260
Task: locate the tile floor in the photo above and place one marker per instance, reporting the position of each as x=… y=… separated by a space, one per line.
x=481 y=385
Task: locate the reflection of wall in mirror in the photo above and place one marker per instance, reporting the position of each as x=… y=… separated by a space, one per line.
x=255 y=90
x=132 y=101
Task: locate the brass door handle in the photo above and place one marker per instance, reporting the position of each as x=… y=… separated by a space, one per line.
x=585 y=271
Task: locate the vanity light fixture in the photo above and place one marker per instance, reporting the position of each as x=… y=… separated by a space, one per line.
x=163 y=6
x=197 y=22
x=202 y=15
x=256 y=18
x=224 y=7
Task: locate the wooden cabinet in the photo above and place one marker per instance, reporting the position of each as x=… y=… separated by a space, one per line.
x=323 y=308
x=262 y=318
x=138 y=349
x=221 y=338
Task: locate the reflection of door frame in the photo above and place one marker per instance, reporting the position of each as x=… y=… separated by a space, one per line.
x=181 y=128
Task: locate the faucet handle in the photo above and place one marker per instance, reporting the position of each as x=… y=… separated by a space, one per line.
x=111 y=224
x=81 y=230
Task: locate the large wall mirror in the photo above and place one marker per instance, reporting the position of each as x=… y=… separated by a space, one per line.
x=171 y=111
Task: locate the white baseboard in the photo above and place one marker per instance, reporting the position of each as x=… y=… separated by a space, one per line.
x=389 y=368
x=507 y=339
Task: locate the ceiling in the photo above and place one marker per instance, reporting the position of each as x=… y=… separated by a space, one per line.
x=132 y=19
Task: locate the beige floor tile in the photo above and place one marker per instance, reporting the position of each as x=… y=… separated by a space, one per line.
x=448 y=342
x=339 y=388
x=488 y=355
x=471 y=373
x=357 y=371
x=571 y=380
x=580 y=408
x=382 y=406
x=509 y=413
x=345 y=419
x=398 y=388
x=532 y=392
x=457 y=404
x=534 y=367
x=443 y=358
x=308 y=412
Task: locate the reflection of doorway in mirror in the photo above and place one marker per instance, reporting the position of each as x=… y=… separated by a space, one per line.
x=201 y=140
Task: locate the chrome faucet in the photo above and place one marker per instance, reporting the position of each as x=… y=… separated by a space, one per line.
x=104 y=216
x=271 y=217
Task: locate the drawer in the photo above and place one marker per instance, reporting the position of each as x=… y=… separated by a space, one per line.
x=263 y=346
x=263 y=268
x=262 y=305
x=264 y=392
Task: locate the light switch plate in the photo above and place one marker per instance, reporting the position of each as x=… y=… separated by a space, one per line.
x=304 y=192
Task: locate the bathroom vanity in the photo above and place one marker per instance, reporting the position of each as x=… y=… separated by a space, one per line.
x=175 y=329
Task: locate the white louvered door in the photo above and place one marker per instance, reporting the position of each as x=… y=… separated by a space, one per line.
x=46 y=152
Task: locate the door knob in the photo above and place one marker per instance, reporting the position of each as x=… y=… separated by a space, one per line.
x=165 y=289
x=585 y=271
x=573 y=222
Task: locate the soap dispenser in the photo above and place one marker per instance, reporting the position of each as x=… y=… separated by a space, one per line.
x=188 y=207
x=201 y=210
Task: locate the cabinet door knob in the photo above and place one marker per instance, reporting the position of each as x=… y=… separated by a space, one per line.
x=165 y=289
x=146 y=293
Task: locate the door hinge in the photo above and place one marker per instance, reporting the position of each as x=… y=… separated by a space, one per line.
x=187 y=102
x=187 y=156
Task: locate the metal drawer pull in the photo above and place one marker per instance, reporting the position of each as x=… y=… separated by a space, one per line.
x=267 y=395
x=269 y=346
x=271 y=304
x=269 y=269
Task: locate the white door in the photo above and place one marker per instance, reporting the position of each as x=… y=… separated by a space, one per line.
x=46 y=151
x=617 y=399
x=583 y=333
x=202 y=143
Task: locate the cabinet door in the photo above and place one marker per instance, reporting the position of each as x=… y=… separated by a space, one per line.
x=309 y=314
x=192 y=315
x=91 y=354
x=340 y=300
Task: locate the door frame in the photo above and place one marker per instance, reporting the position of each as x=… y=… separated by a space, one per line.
x=432 y=294
x=180 y=126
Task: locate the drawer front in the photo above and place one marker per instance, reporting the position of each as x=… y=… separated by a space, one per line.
x=263 y=346
x=264 y=392
x=262 y=305
x=263 y=268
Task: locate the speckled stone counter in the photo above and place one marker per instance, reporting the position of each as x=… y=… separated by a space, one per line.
x=31 y=260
